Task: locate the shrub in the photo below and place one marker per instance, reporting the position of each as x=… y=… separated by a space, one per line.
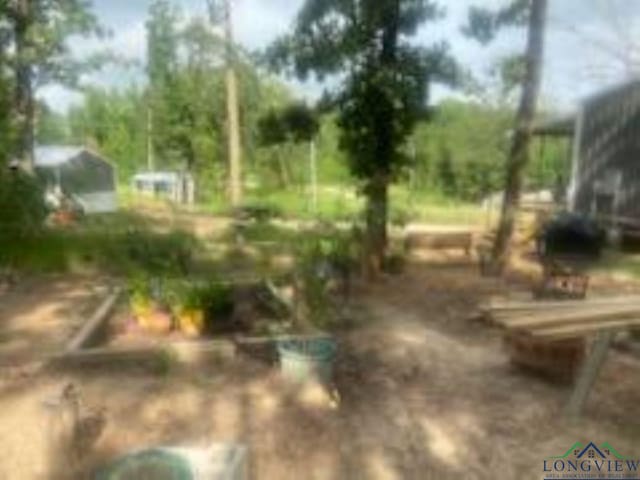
x=22 y=207
x=153 y=253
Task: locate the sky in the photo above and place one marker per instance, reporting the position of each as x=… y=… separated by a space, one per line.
x=590 y=44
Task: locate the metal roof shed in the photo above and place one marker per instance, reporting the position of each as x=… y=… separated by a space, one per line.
x=79 y=173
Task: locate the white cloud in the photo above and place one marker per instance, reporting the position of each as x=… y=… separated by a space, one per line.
x=59 y=98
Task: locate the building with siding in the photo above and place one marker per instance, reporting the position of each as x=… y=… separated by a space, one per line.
x=605 y=154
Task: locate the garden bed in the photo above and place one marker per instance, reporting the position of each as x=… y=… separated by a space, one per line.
x=250 y=316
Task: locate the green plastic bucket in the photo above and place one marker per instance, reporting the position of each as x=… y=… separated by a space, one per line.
x=153 y=464
x=303 y=360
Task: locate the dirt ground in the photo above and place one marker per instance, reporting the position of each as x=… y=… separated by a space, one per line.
x=39 y=314
x=423 y=390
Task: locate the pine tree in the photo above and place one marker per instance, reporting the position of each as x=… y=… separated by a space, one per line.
x=484 y=25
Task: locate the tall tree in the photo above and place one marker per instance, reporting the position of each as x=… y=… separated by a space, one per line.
x=293 y=124
x=162 y=64
x=483 y=25
x=220 y=12
x=5 y=86
x=41 y=56
x=383 y=94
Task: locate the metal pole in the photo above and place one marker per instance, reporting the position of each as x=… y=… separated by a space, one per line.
x=314 y=176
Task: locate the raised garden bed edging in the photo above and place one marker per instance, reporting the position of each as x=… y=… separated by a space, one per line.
x=85 y=347
x=95 y=328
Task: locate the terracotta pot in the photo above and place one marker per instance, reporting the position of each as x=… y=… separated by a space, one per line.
x=191 y=322
x=159 y=322
x=142 y=308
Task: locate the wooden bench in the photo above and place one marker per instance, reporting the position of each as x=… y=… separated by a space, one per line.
x=439 y=241
x=552 y=336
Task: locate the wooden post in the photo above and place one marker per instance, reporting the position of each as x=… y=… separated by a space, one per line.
x=589 y=373
x=150 y=159
x=314 y=176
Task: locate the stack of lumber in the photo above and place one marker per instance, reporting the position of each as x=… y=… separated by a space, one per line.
x=566 y=319
x=550 y=337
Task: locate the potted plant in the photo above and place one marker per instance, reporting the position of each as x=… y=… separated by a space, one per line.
x=147 y=305
x=140 y=301
x=312 y=357
x=189 y=311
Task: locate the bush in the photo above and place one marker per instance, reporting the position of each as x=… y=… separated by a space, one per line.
x=152 y=253
x=22 y=207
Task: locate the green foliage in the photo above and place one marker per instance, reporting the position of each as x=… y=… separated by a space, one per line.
x=385 y=91
x=182 y=110
x=50 y=127
x=22 y=209
x=6 y=124
x=323 y=258
x=461 y=152
x=106 y=247
x=483 y=24
x=49 y=25
x=113 y=122
x=216 y=300
x=156 y=253
x=313 y=276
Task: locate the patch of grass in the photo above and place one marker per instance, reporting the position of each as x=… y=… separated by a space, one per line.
x=619 y=263
x=342 y=203
x=426 y=207
x=110 y=244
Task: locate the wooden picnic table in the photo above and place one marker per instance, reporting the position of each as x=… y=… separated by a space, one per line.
x=598 y=319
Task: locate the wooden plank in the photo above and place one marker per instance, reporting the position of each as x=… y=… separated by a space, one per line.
x=557 y=318
x=186 y=351
x=439 y=240
x=588 y=374
x=83 y=336
x=582 y=329
x=502 y=306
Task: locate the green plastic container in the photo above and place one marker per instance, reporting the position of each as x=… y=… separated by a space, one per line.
x=303 y=360
x=148 y=464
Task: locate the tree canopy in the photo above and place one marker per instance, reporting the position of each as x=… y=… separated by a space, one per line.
x=384 y=90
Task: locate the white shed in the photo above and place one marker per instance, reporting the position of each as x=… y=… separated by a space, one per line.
x=80 y=174
x=176 y=186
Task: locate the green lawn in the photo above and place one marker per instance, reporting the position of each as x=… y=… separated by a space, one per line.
x=620 y=263
x=342 y=203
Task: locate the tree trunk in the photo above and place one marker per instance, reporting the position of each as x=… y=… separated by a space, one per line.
x=519 y=153
x=377 y=188
x=283 y=170
x=24 y=102
x=376 y=211
x=233 y=117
